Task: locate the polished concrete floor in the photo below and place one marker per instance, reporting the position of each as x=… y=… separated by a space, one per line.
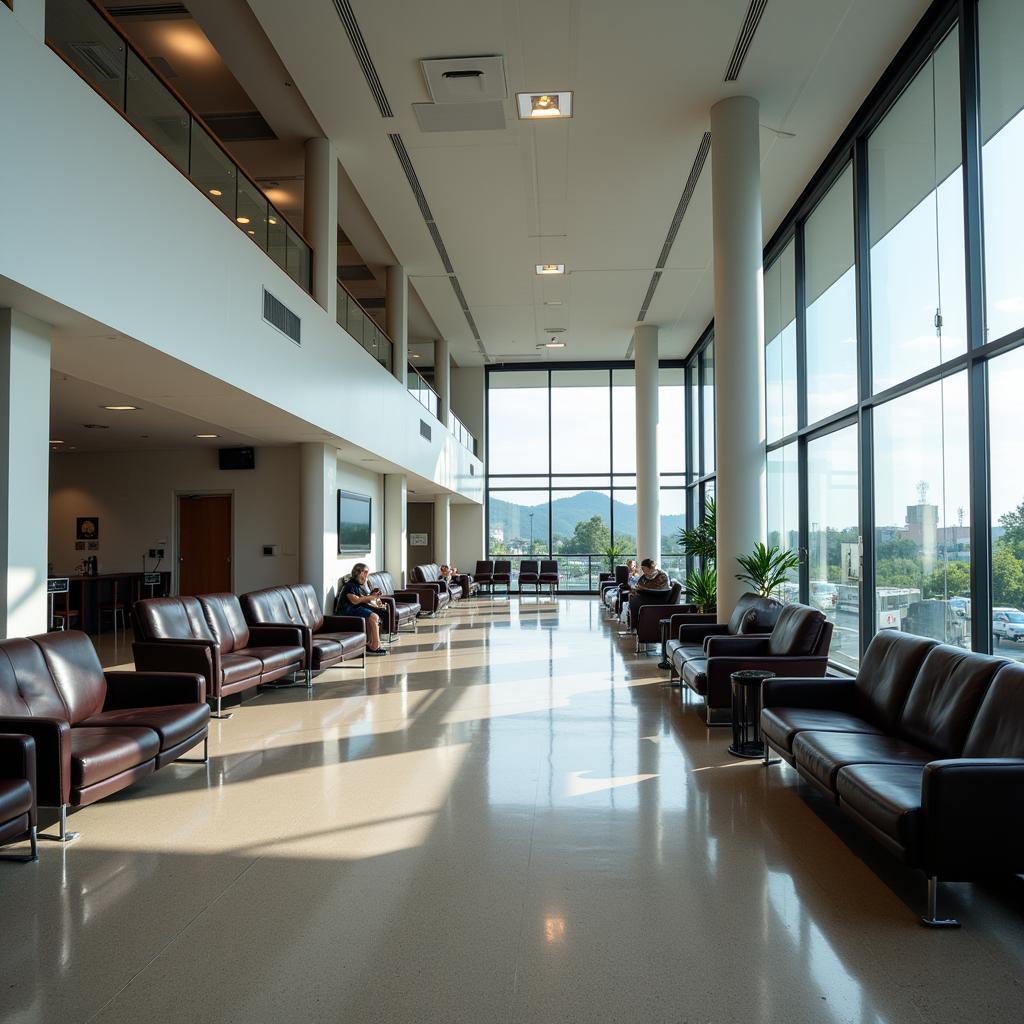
x=508 y=819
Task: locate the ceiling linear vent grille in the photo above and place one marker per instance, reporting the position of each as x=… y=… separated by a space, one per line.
x=147 y=10
x=425 y=430
x=355 y=37
x=655 y=279
x=435 y=234
x=746 y=37
x=279 y=316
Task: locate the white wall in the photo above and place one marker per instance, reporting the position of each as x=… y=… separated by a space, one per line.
x=134 y=494
x=152 y=258
x=362 y=481
x=467 y=535
x=469 y=401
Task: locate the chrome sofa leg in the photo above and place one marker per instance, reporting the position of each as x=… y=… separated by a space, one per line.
x=63 y=835
x=309 y=679
x=33 y=836
x=205 y=759
x=931 y=918
x=219 y=714
x=34 y=840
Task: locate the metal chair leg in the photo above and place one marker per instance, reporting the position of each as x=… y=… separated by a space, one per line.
x=63 y=835
x=931 y=919
x=219 y=714
x=28 y=858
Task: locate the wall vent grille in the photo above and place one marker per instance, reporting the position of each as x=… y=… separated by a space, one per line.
x=278 y=315
x=746 y=37
x=355 y=37
x=425 y=432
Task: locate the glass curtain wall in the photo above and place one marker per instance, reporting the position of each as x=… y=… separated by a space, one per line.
x=562 y=467
x=895 y=352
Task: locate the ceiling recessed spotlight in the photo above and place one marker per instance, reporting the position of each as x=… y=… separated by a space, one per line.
x=242 y=220
x=544 y=105
x=553 y=302
x=120 y=408
x=216 y=192
x=251 y=232
x=55 y=441
x=550 y=268
x=271 y=220
x=207 y=436
x=416 y=355
x=554 y=344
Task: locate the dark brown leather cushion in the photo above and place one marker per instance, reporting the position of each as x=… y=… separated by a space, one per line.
x=74 y=666
x=945 y=698
x=173 y=724
x=797 y=631
x=171 y=618
x=695 y=674
x=681 y=652
x=15 y=798
x=227 y=623
x=822 y=754
x=26 y=687
x=98 y=754
x=236 y=667
x=887 y=672
x=326 y=651
x=998 y=729
x=348 y=642
x=781 y=725
x=276 y=659
x=888 y=797
x=753 y=614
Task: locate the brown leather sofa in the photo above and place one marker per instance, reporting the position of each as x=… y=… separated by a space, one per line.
x=752 y=615
x=209 y=635
x=403 y=605
x=797 y=646
x=613 y=597
x=431 y=573
x=648 y=607
x=95 y=732
x=18 y=793
x=433 y=597
x=470 y=587
x=326 y=640
x=923 y=750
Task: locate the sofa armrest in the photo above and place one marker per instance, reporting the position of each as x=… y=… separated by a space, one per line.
x=52 y=738
x=344 y=624
x=409 y=596
x=153 y=689
x=274 y=635
x=18 y=761
x=749 y=646
x=820 y=693
x=970 y=817
x=202 y=656
x=697 y=632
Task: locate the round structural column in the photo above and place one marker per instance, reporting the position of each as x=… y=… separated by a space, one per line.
x=648 y=526
x=443 y=378
x=320 y=220
x=396 y=314
x=739 y=338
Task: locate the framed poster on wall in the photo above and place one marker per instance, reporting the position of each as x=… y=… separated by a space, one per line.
x=354 y=522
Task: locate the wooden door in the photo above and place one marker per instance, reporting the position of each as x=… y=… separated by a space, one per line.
x=204 y=543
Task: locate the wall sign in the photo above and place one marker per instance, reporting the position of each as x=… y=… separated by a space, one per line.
x=418 y=540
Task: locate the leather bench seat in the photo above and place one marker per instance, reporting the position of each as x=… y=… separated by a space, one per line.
x=886 y=798
x=173 y=724
x=239 y=667
x=404 y=605
x=780 y=725
x=820 y=755
x=99 y=754
x=276 y=661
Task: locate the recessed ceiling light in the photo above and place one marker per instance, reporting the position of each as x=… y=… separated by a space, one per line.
x=207 y=435
x=242 y=220
x=251 y=232
x=415 y=355
x=554 y=344
x=55 y=441
x=544 y=105
x=120 y=408
x=271 y=220
x=550 y=268
x=216 y=192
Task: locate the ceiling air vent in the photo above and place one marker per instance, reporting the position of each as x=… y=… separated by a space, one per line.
x=355 y=37
x=278 y=315
x=122 y=11
x=243 y=126
x=746 y=37
x=425 y=430
x=465 y=79
x=99 y=59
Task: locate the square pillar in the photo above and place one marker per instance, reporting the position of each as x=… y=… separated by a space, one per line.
x=443 y=379
x=396 y=500
x=320 y=220
x=443 y=529
x=318 y=519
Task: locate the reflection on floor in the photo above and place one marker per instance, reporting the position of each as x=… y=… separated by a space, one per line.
x=508 y=819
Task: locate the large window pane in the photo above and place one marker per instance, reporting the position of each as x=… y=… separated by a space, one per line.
x=834 y=538
x=918 y=306
x=783 y=511
x=624 y=421
x=517 y=408
x=831 y=301
x=581 y=530
x=707 y=362
x=624 y=508
x=693 y=404
x=671 y=421
x=1001 y=29
x=780 y=351
x=1006 y=385
x=672 y=512
x=580 y=421
x=922 y=501
x=518 y=523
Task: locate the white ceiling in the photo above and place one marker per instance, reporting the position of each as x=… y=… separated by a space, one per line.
x=596 y=192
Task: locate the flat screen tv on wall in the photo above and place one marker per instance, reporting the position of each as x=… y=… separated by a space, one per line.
x=353 y=522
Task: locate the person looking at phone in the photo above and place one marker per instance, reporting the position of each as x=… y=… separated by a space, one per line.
x=356 y=598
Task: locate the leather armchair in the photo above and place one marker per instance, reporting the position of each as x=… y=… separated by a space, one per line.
x=326 y=640
x=95 y=732
x=403 y=605
x=647 y=612
x=502 y=575
x=18 y=811
x=529 y=574
x=483 y=573
x=549 y=576
x=431 y=573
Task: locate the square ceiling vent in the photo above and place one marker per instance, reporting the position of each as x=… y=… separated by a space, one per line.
x=465 y=79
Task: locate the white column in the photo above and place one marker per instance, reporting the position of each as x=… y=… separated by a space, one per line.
x=467 y=535
x=443 y=529
x=397 y=320
x=32 y=15
x=318 y=519
x=739 y=338
x=443 y=379
x=396 y=501
x=648 y=523
x=320 y=220
x=24 y=472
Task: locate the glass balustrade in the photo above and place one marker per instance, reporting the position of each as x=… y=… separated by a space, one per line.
x=363 y=328
x=98 y=51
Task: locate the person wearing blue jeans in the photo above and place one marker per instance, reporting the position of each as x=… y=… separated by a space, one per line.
x=356 y=598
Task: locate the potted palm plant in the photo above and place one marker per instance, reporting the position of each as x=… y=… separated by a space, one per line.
x=702 y=587
x=699 y=541
x=612 y=552
x=766 y=568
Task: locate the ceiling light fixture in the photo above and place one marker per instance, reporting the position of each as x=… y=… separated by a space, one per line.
x=537 y=106
x=207 y=436
x=271 y=220
x=216 y=192
x=550 y=268
x=242 y=220
x=120 y=408
x=554 y=343
x=54 y=441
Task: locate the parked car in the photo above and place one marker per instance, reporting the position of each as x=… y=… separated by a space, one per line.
x=1008 y=624
x=824 y=595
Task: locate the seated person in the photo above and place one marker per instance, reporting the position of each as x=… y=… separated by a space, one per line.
x=632 y=573
x=651 y=577
x=356 y=598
